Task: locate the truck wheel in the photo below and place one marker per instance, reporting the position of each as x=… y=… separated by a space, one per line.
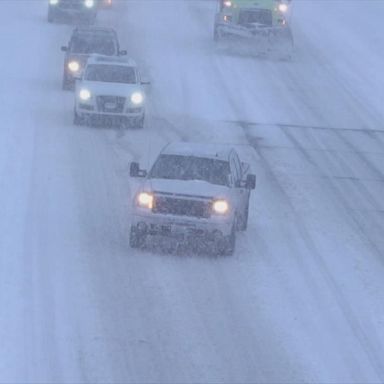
x=139 y=123
x=216 y=35
x=65 y=85
x=226 y=246
x=136 y=239
x=244 y=218
x=50 y=16
x=77 y=120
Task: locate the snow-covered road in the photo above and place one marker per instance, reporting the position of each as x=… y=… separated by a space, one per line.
x=302 y=298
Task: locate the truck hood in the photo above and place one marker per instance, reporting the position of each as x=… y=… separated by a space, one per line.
x=113 y=89
x=187 y=188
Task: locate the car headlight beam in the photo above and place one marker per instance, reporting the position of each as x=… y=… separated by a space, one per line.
x=84 y=94
x=283 y=7
x=73 y=66
x=89 y=3
x=53 y=2
x=145 y=200
x=137 y=98
x=220 y=207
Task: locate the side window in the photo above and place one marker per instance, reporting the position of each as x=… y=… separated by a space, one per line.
x=237 y=165
x=234 y=170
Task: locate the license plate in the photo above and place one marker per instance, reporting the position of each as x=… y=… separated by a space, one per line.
x=110 y=105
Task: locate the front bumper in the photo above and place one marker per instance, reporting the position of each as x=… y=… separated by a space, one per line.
x=87 y=111
x=181 y=227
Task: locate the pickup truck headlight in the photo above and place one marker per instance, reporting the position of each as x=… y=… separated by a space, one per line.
x=73 y=66
x=145 y=200
x=84 y=94
x=137 y=98
x=283 y=7
x=220 y=207
x=89 y=3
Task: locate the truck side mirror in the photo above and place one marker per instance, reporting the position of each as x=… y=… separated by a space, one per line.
x=250 y=183
x=135 y=171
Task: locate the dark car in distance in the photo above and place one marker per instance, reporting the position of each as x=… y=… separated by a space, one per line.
x=84 y=42
x=72 y=10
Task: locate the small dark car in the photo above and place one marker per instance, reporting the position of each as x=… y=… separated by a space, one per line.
x=72 y=10
x=83 y=43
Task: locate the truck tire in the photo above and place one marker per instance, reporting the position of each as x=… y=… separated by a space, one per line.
x=50 y=17
x=216 y=34
x=226 y=246
x=77 y=120
x=136 y=239
x=244 y=218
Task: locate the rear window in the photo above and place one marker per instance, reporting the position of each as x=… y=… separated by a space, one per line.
x=87 y=44
x=111 y=73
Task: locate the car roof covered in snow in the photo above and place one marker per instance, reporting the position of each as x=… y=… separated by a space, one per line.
x=113 y=60
x=211 y=151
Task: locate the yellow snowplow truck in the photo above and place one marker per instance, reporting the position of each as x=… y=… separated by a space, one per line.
x=259 y=26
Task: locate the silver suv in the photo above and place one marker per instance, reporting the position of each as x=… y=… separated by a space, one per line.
x=193 y=192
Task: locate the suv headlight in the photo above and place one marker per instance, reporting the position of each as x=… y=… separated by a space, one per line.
x=89 y=3
x=145 y=200
x=220 y=207
x=137 y=98
x=84 y=94
x=283 y=7
x=73 y=66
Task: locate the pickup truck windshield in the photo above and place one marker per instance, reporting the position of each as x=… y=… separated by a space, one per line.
x=177 y=167
x=111 y=73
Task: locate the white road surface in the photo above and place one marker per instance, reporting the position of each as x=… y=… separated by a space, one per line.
x=302 y=298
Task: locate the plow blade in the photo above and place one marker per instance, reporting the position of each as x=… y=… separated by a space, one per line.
x=275 y=41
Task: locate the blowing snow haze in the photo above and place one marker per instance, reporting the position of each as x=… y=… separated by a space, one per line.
x=192 y=191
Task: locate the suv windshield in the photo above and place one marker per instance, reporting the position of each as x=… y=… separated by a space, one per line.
x=111 y=73
x=178 y=167
x=86 y=44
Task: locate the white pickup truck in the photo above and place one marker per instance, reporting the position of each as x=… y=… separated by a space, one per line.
x=194 y=192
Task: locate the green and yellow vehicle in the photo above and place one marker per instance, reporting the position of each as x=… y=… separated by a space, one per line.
x=262 y=26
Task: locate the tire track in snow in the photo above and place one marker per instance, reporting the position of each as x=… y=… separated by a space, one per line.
x=372 y=351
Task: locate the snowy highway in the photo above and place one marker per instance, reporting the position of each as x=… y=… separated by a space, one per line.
x=302 y=298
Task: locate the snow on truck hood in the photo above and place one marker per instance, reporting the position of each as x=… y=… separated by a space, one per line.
x=113 y=89
x=196 y=188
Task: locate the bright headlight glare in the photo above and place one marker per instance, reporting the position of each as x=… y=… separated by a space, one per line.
x=220 y=206
x=137 y=98
x=89 y=3
x=227 y=3
x=73 y=66
x=53 y=2
x=283 y=7
x=145 y=200
x=84 y=94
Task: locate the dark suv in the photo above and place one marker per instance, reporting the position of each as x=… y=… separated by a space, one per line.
x=84 y=42
x=72 y=10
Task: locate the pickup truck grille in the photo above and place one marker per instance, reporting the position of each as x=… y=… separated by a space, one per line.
x=181 y=207
x=110 y=104
x=259 y=16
